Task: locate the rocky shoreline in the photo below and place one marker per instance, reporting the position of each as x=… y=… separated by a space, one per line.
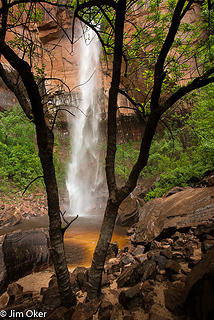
x=160 y=283
x=16 y=210
x=166 y=272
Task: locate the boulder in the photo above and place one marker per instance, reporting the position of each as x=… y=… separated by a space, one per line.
x=138 y=250
x=4 y=299
x=81 y=276
x=147 y=270
x=199 y=289
x=136 y=273
x=148 y=295
x=127 y=259
x=141 y=295
x=85 y=311
x=160 y=218
x=204 y=229
x=128 y=212
x=13 y=214
x=51 y=299
x=172 y=267
x=160 y=260
x=3 y=272
x=158 y=312
x=112 y=250
x=22 y=253
x=174 y=298
x=141 y=258
x=173 y=191
x=167 y=253
x=129 y=277
x=14 y=290
x=207 y=181
x=105 y=310
x=113 y=266
x=119 y=313
x=58 y=314
x=131 y=297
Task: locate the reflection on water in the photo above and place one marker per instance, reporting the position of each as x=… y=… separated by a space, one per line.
x=80 y=243
x=80 y=238
x=27 y=224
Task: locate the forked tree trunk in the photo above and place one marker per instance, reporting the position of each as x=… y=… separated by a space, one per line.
x=95 y=275
x=116 y=195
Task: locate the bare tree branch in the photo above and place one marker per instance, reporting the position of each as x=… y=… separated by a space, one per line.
x=25 y=189
x=64 y=228
x=197 y=83
x=58 y=24
x=56 y=113
x=133 y=102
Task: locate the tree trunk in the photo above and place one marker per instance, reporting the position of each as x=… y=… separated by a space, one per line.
x=45 y=141
x=107 y=228
x=95 y=275
x=55 y=231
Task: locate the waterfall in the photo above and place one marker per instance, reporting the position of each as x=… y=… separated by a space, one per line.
x=84 y=171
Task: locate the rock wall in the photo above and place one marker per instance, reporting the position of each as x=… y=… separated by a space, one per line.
x=61 y=61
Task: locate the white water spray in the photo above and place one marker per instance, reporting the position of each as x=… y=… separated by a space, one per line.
x=84 y=172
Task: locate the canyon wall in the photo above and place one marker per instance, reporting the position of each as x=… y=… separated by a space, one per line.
x=60 y=60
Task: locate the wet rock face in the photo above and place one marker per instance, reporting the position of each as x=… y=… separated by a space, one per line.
x=181 y=210
x=128 y=212
x=21 y=253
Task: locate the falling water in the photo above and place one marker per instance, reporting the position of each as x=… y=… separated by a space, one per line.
x=84 y=172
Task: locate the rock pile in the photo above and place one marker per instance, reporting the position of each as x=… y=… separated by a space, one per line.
x=13 y=213
x=162 y=280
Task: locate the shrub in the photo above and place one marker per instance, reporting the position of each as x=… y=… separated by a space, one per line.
x=175 y=163
x=19 y=161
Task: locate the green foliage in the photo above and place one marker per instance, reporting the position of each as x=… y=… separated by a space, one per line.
x=25 y=42
x=19 y=162
x=175 y=162
x=62 y=151
x=146 y=29
x=202 y=119
x=125 y=157
x=189 y=164
x=40 y=72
